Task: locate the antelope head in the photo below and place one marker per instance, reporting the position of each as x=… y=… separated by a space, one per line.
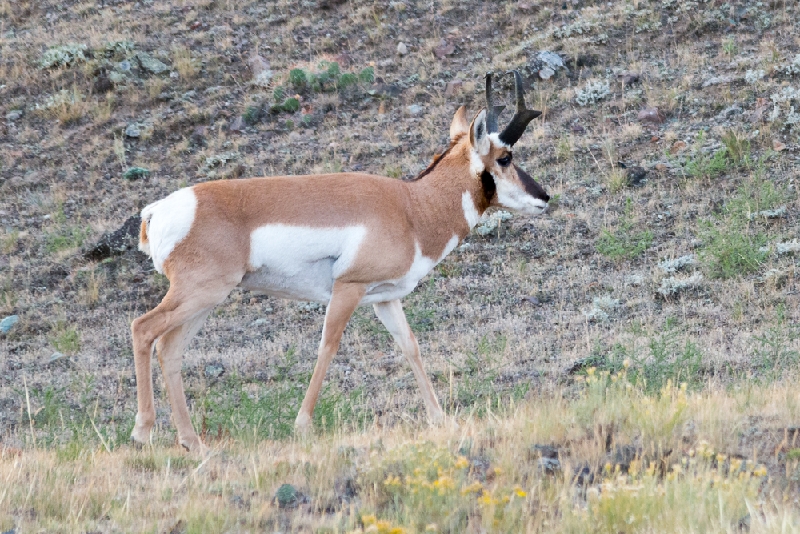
x=491 y=157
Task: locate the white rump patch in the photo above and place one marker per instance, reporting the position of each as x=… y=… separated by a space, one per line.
x=300 y=262
x=168 y=222
x=470 y=212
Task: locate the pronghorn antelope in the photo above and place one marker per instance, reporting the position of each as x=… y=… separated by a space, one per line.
x=345 y=239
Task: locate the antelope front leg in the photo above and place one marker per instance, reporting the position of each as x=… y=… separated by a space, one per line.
x=344 y=300
x=392 y=316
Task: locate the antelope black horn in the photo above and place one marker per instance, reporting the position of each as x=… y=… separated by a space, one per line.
x=492 y=111
x=522 y=116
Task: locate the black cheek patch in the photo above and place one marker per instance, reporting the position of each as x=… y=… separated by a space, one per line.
x=488 y=185
x=531 y=187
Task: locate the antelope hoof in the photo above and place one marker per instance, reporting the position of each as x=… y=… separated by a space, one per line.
x=303 y=424
x=141 y=432
x=194 y=445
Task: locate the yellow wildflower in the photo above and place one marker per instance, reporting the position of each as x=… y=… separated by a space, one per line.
x=520 y=492
x=475 y=487
x=462 y=463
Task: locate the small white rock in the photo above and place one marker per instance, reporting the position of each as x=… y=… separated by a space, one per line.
x=402 y=49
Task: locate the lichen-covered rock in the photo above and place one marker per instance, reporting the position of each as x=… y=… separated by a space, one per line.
x=150 y=64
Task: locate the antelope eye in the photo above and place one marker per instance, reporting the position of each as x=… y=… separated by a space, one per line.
x=505 y=161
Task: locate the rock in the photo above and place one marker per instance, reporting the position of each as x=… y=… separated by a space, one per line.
x=676 y=147
x=453 y=87
x=257 y=64
x=444 y=49
x=729 y=112
x=287 y=496
x=7 y=323
x=198 y=134
x=576 y=128
x=546 y=64
x=385 y=90
x=718 y=80
x=133 y=130
x=13 y=115
x=757 y=115
x=237 y=125
x=135 y=173
x=214 y=370
x=628 y=78
x=402 y=49
x=531 y=299
x=652 y=115
x=548 y=466
x=414 y=110
x=117 y=242
x=150 y=64
x=102 y=83
x=546 y=73
x=345 y=488
x=777 y=146
x=636 y=176
x=55 y=357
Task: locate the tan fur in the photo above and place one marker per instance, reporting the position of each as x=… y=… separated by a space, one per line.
x=214 y=257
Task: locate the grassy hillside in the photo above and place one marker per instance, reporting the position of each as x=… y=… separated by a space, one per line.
x=648 y=320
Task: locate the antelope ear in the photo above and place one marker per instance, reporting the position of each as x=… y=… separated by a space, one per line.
x=478 y=136
x=459 y=126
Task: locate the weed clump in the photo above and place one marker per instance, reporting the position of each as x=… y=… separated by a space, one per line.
x=64 y=56
x=624 y=243
x=592 y=92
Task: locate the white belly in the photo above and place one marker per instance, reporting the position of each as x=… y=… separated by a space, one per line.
x=302 y=263
x=299 y=262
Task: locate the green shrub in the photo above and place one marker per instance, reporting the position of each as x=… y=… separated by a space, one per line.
x=624 y=243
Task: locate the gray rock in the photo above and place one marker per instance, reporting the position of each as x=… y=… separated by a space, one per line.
x=133 y=130
x=151 y=64
x=214 y=370
x=402 y=49
x=453 y=87
x=719 y=80
x=124 y=66
x=13 y=115
x=55 y=357
x=653 y=115
x=414 y=110
x=7 y=323
x=117 y=242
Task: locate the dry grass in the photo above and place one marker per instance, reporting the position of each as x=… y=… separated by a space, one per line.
x=627 y=462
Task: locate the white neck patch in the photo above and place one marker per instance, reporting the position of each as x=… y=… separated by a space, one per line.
x=476 y=166
x=470 y=212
